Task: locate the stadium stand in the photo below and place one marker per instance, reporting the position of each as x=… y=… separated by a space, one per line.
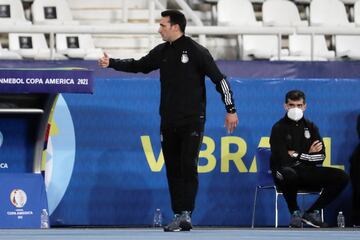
x=300 y=45
x=228 y=13
x=130 y=13
x=77 y=46
x=241 y=13
x=33 y=46
x=281 y=13
x=99 y=12
x=333 y=19
x=357 y=13
x=52 y=12
x=348 y=46
x=6 y=54
x=285 y=13
x=328 y=12
x=333 y=13
x=12 y=13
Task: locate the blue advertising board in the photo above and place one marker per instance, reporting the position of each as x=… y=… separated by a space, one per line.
x=48 y=80
x=22 y=132
x=117 y=170
x=22 y=198
x=16 y=146
x=104 y=162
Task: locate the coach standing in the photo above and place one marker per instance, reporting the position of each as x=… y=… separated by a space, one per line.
x=183 y=65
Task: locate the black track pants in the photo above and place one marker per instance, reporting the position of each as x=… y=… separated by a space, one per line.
x=181 y=146
x=331 y=180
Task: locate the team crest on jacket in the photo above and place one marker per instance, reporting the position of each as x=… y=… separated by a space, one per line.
x=184 y=57
x=307 y=133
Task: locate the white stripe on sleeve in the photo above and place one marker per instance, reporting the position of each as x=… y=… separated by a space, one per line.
x=312 y=158
x=225 y=89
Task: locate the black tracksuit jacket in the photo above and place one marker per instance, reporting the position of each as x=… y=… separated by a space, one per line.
x=287 y=135
x=183 y=66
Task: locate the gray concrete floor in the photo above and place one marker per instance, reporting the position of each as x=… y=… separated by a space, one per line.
x=196 y=234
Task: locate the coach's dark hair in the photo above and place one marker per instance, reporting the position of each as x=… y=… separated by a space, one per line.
x=176 y=17
x=295 y=95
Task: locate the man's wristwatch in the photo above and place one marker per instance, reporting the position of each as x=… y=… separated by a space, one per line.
x=232 y=110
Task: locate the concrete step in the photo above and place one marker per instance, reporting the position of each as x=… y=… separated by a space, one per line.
x=113 y=15
x=110 y=4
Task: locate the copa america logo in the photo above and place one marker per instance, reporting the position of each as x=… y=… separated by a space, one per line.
x=18 y=198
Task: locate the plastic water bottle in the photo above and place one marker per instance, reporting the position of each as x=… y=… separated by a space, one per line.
x=341 y=220
x=157 y=218
x=44 y=219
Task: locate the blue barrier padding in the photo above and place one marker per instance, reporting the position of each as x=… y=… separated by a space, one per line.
x=45 y=80
x=118 y=178
x=113 y=182
x=17 y=138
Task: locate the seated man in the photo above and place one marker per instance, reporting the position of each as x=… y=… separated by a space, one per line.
x=297 y=152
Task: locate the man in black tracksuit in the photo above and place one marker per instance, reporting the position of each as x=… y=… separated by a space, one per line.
x=297 y=152
x=183 y=65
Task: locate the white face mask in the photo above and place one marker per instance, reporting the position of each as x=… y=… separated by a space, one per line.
x=295 y=114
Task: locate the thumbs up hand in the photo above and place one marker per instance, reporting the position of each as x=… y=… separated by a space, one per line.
x=104 y=61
